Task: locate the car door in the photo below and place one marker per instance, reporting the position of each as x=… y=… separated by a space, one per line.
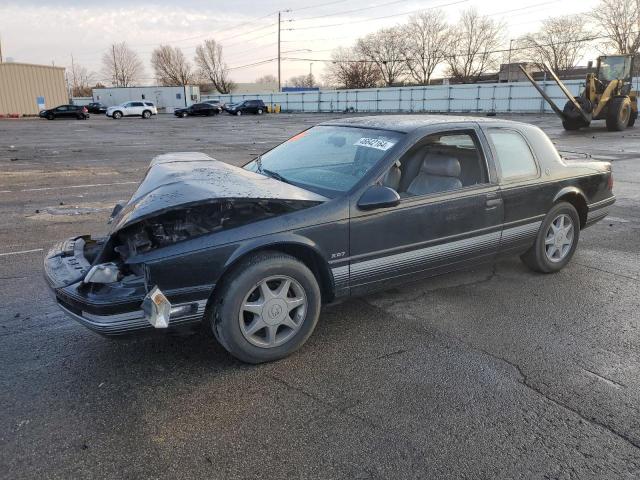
x=523 y=194
x=454 y=223
x=137 y=108
x=62 y=111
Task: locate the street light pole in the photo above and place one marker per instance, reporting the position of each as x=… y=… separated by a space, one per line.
x=279 y=81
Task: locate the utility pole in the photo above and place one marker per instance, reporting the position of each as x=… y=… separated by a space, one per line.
x=279 y=81
x=73 y=73
x=0 y=49
x=280 y=12
x=509 y=62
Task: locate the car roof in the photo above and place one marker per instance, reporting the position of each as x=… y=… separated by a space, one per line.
x=409 y=123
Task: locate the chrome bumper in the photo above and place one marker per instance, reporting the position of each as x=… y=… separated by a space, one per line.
x=129 y=322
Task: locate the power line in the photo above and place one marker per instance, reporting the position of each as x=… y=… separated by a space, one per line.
x=378 y=18
x=350 y=11
x=318 y=5
x=456 y=55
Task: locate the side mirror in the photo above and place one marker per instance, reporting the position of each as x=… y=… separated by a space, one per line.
x=378 y=196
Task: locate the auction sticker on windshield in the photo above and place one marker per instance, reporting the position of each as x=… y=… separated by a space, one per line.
x=376 y=143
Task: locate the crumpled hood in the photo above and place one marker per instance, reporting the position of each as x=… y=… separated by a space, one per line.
x=185 y=178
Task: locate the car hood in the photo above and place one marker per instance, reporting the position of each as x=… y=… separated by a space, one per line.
x=187 y=178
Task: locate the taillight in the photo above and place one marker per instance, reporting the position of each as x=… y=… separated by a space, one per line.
x=610 y=181
x=84 y=109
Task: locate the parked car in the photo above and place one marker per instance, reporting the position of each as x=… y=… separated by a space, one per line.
x=201 y=109
x=344 y=208
x=248 y=106
x=132 y=109
x=97 y=107
x=216 y=103
x=78 y=112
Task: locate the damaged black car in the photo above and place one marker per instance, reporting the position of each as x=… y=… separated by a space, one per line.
x=344 y=208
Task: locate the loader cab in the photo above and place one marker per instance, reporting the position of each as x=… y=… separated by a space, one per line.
x=614 y=67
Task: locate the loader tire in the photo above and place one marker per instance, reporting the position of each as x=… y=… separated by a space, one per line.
x=618 y=114
x=632 y=119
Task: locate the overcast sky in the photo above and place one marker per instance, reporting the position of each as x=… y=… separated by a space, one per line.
x=51 y=30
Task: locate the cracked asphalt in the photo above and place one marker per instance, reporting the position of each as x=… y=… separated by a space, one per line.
x=492 y=373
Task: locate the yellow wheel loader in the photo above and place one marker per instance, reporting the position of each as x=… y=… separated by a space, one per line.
x=607 y=95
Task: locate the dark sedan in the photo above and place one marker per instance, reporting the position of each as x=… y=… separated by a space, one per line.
x=78 y=112
x=344 y=208
x=97 y=107
x=197 y=109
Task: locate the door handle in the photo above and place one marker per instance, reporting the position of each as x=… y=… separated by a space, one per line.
x=493 y=202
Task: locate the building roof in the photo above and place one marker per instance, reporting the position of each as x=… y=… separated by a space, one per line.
x=20 y=64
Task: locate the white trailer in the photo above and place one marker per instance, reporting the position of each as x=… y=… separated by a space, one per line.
x=166 y=99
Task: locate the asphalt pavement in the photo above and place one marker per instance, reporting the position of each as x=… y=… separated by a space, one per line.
x=494 y=373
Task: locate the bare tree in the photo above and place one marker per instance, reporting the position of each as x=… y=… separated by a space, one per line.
x=476 y=39
x=428 y=39
x=386 y=49
x=560 y=42
x=171 y=66
x=620 y=21
x=347 y=70
x=267 y=79
x=80 y=79
x=305 y=81
x=212 y=66
x=121 y=65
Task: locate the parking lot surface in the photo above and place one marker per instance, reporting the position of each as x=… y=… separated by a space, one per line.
x=493 y=373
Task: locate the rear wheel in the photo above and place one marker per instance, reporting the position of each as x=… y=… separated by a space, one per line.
x=80 y=116
x=618 y=114
x=146 y=114
x=260 y=111
x=556 y=241
x=266 y=308
x=632 y=119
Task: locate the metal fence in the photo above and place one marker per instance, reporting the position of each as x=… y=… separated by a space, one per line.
x=516 y=97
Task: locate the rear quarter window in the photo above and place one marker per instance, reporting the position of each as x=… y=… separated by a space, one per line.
x=514 y=155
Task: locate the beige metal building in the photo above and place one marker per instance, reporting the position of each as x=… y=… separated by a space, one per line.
x=26 y=89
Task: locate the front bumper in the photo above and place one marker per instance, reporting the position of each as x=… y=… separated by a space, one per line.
x=116 y=309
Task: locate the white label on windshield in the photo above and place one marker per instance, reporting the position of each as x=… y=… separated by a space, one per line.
x=374 y=143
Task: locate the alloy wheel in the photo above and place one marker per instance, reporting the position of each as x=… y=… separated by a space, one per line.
x=273 y=311
x=559 y=238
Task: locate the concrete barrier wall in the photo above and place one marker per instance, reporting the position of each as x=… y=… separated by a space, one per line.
x=517 y=97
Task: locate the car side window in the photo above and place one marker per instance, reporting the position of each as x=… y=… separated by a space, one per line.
x=137 y=104
x=514 y=155
x=440 y=162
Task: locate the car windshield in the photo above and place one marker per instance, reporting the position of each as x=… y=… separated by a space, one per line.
x=326 y=159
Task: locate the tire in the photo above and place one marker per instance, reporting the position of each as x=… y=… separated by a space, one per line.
x=542 y=257
x=51 y=116
x=184 y=114
x=618 y=114
x=239 y=113
x=80 y=117
x=632 y=119
x=259 y=112
x=231 y=324
x=573 y=120
x=116 y=115
x=146 y=114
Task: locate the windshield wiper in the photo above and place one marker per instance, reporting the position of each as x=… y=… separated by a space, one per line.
x=276 y=175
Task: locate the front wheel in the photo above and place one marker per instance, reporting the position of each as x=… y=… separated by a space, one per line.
x=266 y=308
x=556 y=241
x=238 y=113
x=618 y=114
x=116 y=115
x=50 y=116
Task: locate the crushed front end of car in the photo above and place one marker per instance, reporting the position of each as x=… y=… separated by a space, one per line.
x=168 y=246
